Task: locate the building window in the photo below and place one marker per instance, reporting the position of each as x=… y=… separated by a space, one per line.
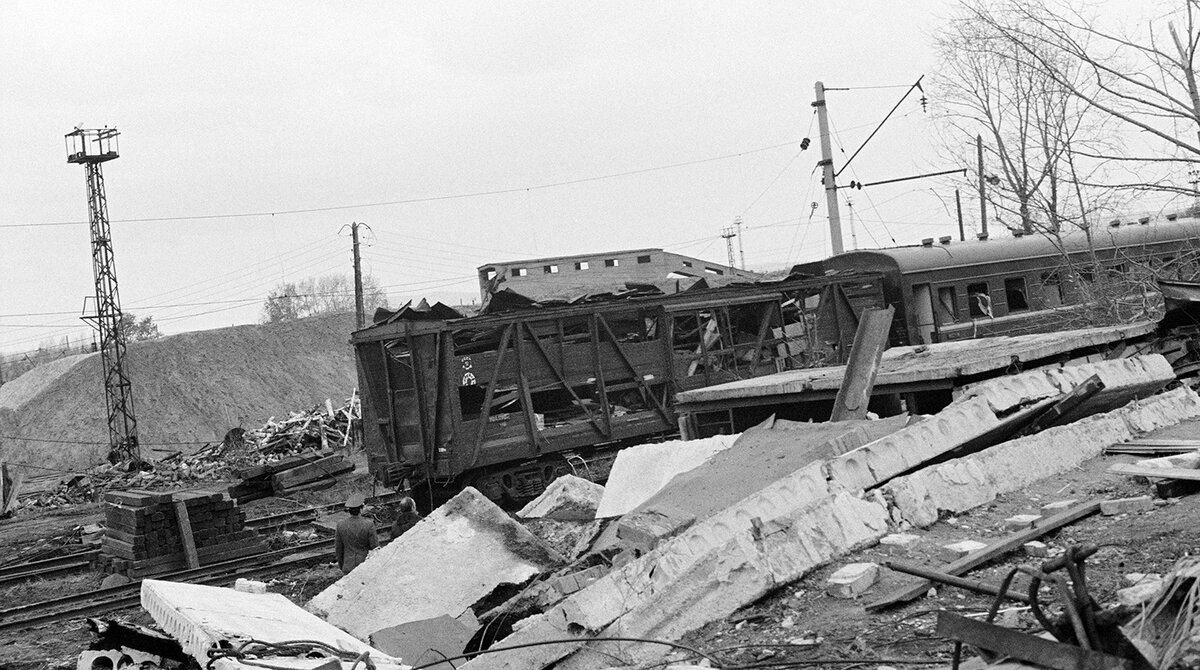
x=612 y=262
x=520 y=272
x=490 y=274
x=979 y=300
x=550 y=269
x=581 y=265
x=643 y=259
x=714 y=271
x=687 y=264
x=947 y=305
x=1014 y=293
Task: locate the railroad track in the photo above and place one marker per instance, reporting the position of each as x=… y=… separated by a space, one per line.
x=116 y=598
x=128 y=595
x=47 y=567
x=80 y=561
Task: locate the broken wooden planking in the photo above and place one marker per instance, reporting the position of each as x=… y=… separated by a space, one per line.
x=988 y=553
x=1154 y=473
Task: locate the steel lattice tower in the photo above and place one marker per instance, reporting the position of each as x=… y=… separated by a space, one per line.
x=91 y=148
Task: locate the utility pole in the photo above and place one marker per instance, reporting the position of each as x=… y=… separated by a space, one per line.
x=360 y=317
x=737 y=221
x=727 y=234
x=962 y=232
x=835 y=222
x=90 y=148
x=983 y=232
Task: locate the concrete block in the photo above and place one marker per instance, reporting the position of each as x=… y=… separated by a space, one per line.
x=203 y=617
x=1126 y=505
x=1021 y=521
x=458 y=554
x=1139 y=594
x=963 y=548
x=568 y=498
x=1036 y=549
x=852 y=580
x=1050 y=509
x=641 y=471
x=899 y=540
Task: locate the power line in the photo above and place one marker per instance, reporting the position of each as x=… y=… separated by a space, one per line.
x=410 y=201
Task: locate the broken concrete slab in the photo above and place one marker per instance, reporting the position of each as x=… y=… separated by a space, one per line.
x=423 y=641
x=708 y=571
x=1058 y=506
x=965 y=483
x=957 y=550
x=1021 y=521
x=1124 y=379
x=445 y=564
x=852 y=580
x=568 y=498
x=1140 y=593
x=1036 y=549
x=202 y=617
x=640 y=472
x=899 y=540
x=759 y=457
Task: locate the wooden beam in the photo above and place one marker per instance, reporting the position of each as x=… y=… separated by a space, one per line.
x=1154 y=473
x=988 y=553
x=185 y=532
x=1025 y=647
x=485 y=411
x=523 y=389
x=870 y=339
x=598 y=370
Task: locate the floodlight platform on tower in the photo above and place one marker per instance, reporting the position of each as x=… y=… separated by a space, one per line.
x=92 y=145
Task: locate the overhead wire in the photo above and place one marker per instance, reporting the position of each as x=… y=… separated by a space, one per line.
x=408 y=201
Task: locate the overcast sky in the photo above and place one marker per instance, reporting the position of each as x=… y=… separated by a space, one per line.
x=237 y=110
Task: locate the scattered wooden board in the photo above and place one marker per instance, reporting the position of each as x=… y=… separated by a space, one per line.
x=988 y=553
x=1154 y=473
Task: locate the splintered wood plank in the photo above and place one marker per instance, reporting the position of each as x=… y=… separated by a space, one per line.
x=1156 y=473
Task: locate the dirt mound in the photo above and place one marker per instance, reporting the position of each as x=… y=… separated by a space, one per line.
x=191 y=387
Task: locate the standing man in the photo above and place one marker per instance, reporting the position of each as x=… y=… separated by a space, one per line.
x=407 y=518
x=355 y=536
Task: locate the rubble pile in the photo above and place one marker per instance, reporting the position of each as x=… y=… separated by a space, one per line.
x=304 y=434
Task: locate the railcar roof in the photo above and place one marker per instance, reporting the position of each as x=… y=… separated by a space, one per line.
x=917 y=258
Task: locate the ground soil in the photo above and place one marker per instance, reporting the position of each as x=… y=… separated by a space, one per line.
x=187 y=389
x=1150 y=541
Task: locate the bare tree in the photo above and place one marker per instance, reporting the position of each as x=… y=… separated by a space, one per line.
x=1142 y=76
x=329 y=294
x=1038 y=136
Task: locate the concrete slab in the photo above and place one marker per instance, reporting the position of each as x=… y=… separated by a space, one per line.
x=1124 y=379
x=942 y=362
x=1021 y=521
x=965 y=483
x=962 y=548
x=759 y=457
x=206 y=617
x=443 y=565
x=1126 y=505
x=568 y=498
x=424 y=641
x=640 y=472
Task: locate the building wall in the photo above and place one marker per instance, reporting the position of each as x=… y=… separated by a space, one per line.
x=569 y=276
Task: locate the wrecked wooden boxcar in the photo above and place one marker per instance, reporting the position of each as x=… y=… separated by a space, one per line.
x=508 y=400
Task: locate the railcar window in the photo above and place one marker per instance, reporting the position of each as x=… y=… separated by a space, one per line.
x=947 y=305
x=979 y=300
x=1014 y=294
x=1051 y=289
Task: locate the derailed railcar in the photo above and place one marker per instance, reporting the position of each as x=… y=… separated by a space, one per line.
x=1034 y=283
x=507 y=402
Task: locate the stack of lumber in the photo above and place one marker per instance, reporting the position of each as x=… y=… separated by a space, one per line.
x=321 y=427
x=307 y=471
x=147 y=533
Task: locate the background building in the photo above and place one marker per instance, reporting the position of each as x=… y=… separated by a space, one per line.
x=569 y=276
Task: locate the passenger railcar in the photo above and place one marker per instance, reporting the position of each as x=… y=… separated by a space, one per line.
x=949 y=290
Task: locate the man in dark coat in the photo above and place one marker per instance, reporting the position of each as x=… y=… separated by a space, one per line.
x=355 y=536
x=407 y=517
